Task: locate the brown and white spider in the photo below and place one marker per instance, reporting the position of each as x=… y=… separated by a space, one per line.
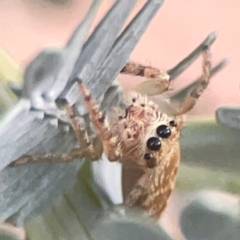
x=144 y=135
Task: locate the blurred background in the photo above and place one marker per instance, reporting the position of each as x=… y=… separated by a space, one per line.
x=27 y=26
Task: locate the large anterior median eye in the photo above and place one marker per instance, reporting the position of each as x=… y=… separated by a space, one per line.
x=163 y=131
x=154 y=143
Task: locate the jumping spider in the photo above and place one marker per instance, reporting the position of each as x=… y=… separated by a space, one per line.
x=143 y=135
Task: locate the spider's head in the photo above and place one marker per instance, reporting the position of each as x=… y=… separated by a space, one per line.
x=161 y=141
x=148 y=135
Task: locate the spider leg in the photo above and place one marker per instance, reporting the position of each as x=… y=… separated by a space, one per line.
x=48 y=157
x=90 y=149
x=158 y=81
x=185 y=99
x=110 y=139
x=136 y=69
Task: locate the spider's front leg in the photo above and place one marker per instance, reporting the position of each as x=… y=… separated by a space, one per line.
x=91 y=150
x=109 y=136
x=48 y=157
x=185 y=99
x=158 y=81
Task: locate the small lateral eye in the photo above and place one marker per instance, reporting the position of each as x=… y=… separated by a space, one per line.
x=154 y=143
x=148 y=156
x=173 y=123
x=163 y=131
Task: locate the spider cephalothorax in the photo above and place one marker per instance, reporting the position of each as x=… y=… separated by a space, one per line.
x=149 y=138
x=145 y=134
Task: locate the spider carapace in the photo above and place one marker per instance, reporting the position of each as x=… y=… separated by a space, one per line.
x=142 y=133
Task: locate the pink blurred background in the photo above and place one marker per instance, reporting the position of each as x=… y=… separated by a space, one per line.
x=28 y=26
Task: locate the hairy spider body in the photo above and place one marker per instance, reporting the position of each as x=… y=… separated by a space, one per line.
x=144 y=135
x=159 y=163
x=126 y=140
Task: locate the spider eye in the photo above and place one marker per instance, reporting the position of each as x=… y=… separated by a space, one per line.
x=173 y=123
x=148 y=156
x=154 y=143
x=163 y=131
